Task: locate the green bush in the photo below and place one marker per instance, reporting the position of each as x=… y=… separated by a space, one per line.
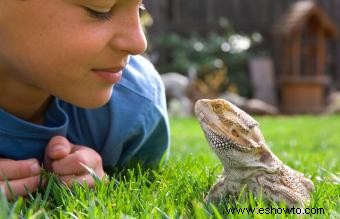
x=205 y=54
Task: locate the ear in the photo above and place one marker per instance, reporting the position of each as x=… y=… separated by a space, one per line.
x=266 y=158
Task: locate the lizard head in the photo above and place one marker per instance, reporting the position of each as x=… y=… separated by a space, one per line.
x=232 y=133
x=236 y=139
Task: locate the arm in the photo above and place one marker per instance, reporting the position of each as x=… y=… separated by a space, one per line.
x=155 y=145
x=149 y=143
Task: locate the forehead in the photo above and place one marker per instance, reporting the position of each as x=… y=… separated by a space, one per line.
x=233 y=114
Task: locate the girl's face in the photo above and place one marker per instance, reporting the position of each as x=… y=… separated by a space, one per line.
x=58 y=47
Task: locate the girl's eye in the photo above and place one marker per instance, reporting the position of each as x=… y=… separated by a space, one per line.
x=107 y=15
x=99 y=15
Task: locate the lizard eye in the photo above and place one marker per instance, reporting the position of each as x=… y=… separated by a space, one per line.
x=217 y=107
x=235 y=133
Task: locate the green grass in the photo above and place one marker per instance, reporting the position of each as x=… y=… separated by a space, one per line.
x=176 y=189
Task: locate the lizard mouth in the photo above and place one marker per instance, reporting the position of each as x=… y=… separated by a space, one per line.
x=221 y=142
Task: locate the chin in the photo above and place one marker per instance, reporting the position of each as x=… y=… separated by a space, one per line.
x=90 y=101
x=92 y=105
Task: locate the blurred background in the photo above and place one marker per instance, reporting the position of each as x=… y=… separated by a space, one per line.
x=265 y=56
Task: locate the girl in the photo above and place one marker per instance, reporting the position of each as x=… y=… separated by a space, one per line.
x=74 y=92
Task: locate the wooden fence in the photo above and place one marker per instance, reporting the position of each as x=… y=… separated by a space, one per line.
x=186 y=16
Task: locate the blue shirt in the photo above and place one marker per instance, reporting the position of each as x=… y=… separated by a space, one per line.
x=132 y=126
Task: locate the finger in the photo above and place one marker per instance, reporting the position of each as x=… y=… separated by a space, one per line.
x=20 y=187
x=72 y=164
x=58 y=148
x=70 y=179
x=88 y=177
x=11 y=169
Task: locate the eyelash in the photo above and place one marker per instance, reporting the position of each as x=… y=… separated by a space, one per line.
x=107 y=15
x=99 y=15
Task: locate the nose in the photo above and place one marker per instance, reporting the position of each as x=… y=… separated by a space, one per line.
x=130 y=37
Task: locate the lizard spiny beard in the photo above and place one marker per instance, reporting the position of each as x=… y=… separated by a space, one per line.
x=220 y=142
x=223 y=147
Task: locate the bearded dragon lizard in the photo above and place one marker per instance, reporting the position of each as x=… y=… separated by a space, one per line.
x=237 y=140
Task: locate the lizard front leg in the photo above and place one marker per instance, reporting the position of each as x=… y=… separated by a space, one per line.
x=221 y=188
x=277 y=191
x=308 y=184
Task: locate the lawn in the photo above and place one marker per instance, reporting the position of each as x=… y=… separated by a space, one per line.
x=176 y=189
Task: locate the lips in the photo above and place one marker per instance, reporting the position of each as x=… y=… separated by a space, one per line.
x=109 y=75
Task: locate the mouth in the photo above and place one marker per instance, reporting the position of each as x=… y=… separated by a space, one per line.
x=199 y=110
x=109 y=75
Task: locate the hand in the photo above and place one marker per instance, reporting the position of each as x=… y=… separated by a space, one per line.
x=22 y=176
x=67 y=161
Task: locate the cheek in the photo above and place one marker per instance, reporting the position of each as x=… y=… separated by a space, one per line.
x=56 y=37
x=64 y=48
x=53 y=50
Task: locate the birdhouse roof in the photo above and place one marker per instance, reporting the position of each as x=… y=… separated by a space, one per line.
x=299 y=14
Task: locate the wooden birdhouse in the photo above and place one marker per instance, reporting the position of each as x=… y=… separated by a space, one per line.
x=302 y=35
